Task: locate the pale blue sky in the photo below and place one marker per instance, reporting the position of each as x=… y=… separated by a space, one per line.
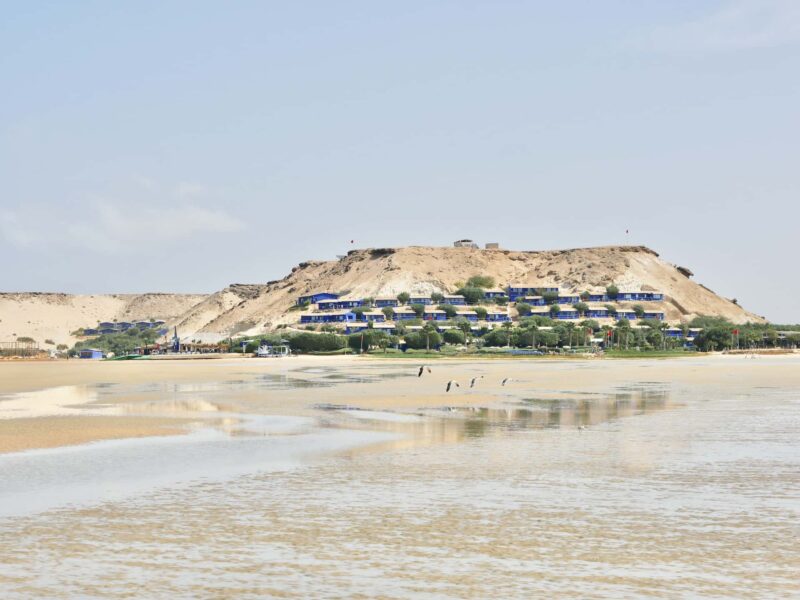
x=182 y=146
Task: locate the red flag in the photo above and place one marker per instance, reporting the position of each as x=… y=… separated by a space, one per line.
x=735 y=332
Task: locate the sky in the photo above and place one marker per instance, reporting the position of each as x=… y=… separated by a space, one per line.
x=183 y=146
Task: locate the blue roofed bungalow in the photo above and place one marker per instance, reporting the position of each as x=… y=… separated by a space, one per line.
x=567 y=313
x=569 y=299
x=496 y=315
x=89 y=331
x=316 y=297
x=434 y=314
x=469 y=315
x=454 y=300
x=384 y=302
x=403 y=313
x=626 y=313
x=533 y=300
x=339 y=304
x=674 y=332
x=342 y=316
x=494 y=293
x=598 y=297
x=376 y=316
x=420 y=299
x=653 y=314
x=359 y=326
x=640 y=296
x=597 y=312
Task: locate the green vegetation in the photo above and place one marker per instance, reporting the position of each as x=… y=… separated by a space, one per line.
x=638 y=310
x=403 y=297
x=26 y=340
x=419 y=309
x=612 y=291
x=480 y=281
x=453 y=336
x=554 y=310
x=472 y=295
x=481 y=312
x=581 y=307
x=585 y=296
x=449 y=310
x=437 y=297
x=119 y=343
x=523 y=309
x=388 y=312
x=550 y=297
x=317 y=342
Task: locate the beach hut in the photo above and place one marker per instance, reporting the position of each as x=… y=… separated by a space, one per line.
x=90 y=353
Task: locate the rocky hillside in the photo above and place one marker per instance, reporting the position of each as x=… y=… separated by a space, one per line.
x=388 y=271
x=53 y=317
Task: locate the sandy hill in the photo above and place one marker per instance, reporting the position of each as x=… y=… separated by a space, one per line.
x=45 y=316
x=388 y=271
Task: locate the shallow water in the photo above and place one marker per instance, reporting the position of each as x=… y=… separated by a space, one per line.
x=647 y=488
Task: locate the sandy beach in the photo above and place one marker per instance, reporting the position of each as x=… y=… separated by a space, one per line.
x=348 y=476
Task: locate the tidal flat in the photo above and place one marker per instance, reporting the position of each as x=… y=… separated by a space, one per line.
x=350 y=477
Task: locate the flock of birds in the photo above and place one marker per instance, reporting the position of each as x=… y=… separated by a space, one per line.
x=453 y=383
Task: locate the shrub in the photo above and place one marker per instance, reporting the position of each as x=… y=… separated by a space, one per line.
x=403 y=297
x=472 y=295
x=453 y=336
x=612 y=310
x=638 y=310
x=367 y=339
x=480 y=281
x=523 y=309
x=25 y=339
x=448 y=309
x=585 y=296
x=581 y=307
x=550 y=297
x=501 y=301
x=612 y=291
x=311 y=342
x=437 y=297
x=419 y=340
x=419 y=309
x=554 y=309
x=388 y=311
x=481 y=312
x=50 y=342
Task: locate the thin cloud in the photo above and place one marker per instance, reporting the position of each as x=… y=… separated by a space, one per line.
x=737 y=25
x=116 y=227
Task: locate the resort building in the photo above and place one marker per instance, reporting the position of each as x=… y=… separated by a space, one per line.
x=653 y=314
x=597 y=312
x=567 y=313
x=626 y=313
x=454 y=300
x=359 y=326
x=420 y=299
x=341 y=316
x=339 y=304
x=91 y=353
x=314 y=298
x=384 y=302
x=569 y=299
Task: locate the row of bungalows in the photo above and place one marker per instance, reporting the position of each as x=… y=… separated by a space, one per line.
x=339 y=303
x=451 y=299
x=519 y=290
x=316 y=297
x=333 y=316
x=596 y=312
x=359 y=326
x=678 y=333
x=535 y=298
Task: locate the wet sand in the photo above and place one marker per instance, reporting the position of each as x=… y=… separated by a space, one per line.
x=346 y=477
